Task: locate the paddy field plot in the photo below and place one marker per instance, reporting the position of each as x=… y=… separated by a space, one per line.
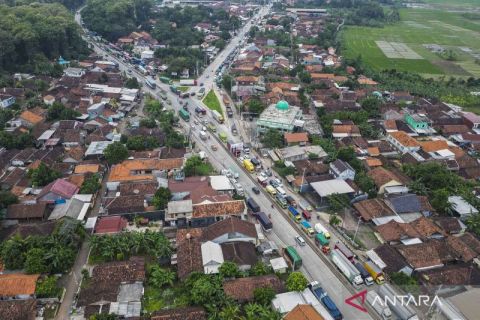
x=407 y=45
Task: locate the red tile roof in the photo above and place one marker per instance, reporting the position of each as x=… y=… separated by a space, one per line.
x=15 y=284
x=111 y=224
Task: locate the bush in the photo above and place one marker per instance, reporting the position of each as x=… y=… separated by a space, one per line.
x=47 y=288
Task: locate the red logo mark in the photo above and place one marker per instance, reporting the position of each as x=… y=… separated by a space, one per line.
x=352 y=300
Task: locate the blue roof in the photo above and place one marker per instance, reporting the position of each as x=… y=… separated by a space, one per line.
x=406 y=203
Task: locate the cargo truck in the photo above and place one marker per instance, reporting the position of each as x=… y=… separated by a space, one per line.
x=174 y=89
x=149 y=81
x=367 y=278
x=346 y=267
x=344 y=250
x=323 y=297
x=374 y=271
x=165 y=80
x=307 y=228
x=322 y=242
x=188 y=82
x=248 y=165
x=263 y=181
x=229 y=111
x=388 y=297
x=293 y=257
x=264 y=221
x=304 y=205
x=182 y=113
x=217 y=116
x=383 y=310
x=294 y=214
x=319 y=228
x=253 y=205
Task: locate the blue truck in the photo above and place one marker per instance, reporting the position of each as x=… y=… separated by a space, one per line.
x=323 y=297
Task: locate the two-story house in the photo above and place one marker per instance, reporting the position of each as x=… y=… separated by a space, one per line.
x=6 y=100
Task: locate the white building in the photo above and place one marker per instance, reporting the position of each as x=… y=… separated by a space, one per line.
x=212 y=257
x=280 y=116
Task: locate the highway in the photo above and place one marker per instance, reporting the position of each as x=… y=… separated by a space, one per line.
x=283 y=234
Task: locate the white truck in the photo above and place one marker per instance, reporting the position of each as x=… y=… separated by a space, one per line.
x=319 y=228
x=374 y=300
x=188 y=82
x=346 y=267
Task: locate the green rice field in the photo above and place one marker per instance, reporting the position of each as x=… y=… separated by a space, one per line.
x=420 y=36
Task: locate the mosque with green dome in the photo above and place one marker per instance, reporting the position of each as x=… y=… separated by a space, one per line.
x=280 y=116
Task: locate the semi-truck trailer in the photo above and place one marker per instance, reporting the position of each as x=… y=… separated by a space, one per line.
x=323 y=297
x=345 y=251
x=367 y=278
x=253 y=205
x=264 y=221
x=374 y=271
x=401 y=310
x=382 y=309
x=188 y=82
x=346 y=267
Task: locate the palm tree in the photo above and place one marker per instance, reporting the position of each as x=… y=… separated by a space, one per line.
x=160 y=277
x=230 y=312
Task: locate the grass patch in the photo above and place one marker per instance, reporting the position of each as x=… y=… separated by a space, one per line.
x=211 y=101
x=417 y=28
x=183 y=88
x=156 y=299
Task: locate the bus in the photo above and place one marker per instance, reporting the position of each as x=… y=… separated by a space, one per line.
x=149 y=81
x=294 y=214
x=182 y=113
x=293 y=257
x=165 y=80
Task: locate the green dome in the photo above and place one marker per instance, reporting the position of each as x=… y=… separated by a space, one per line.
x=282 y=105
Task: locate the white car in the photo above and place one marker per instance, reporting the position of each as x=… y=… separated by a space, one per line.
x=300 y=241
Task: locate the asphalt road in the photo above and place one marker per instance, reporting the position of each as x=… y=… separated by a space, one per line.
x=283 y=234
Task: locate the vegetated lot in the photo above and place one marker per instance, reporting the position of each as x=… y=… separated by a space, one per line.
x=211 y=101
x=183 y=88
x=426 y=41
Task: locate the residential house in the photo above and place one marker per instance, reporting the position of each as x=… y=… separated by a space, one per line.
x=342 y=170
x=185 y=313
x=18 y=286
x=24 y=212
x=303 y=312
x=465 y=247
x=372 y=209
x=113 y=224
x=298 y=138
x=394 y=232
x=206 y=213
x=124 y=204
x=403 y=142
x=18 y=309
x=212 y=257
x=384 y=178
x=451 y=225
x=418 y=123
x=242 y=289
x=426 y=255
x=30 y=119
x=297 y=153
x=114 y=286
x=461 y=207
x=391 y=260
x=232 y=229
x=141 y=170
x=189 y=252
x=243 y=254
x=409 y=204
x=6 y=100
x=449 y=278
x=345 y=130
x=57 y=190
x=471 y=120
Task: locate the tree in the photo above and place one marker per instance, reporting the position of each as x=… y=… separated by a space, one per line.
x=132 y=83
x=104 y=316
x=205 y=289
x=255 y=105
x=35 y=262
x=439 y=201
x=473 y=223
x=161 y=198
x=260 y=269
x=17 y=141
x=372 y=106
x=58 y=111
x=305 y=77
x=296 y=281
x=91 y=185
x=272 y=139
x=13 y=253
x=334 y=220
x=42 y=175
x=230 y=312
x=407 y=283
x=194 y=166
x=115 y=153
x=338 y=202
x=160 y=277
x=47 y=288
x=264 y=295
x=366 y=183
x=255 y=311
x=148 y=123
x=227 y=82
x=7 y=198
x=229 y=269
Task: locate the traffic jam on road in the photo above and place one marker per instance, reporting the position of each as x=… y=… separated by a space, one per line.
x=210 y=127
